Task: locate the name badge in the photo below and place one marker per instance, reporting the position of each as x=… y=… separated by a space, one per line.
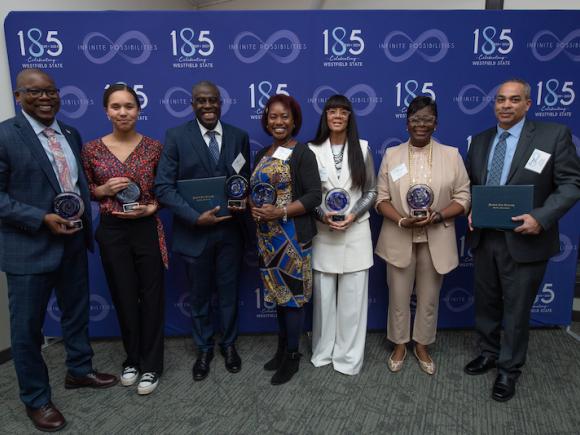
x=398 y=171
x=537 y=161
x=282 y=153
x=323 y=172
x=238 y=163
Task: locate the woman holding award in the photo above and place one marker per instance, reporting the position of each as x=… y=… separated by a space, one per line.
x=284 y=190
x=422 y=187
x=342 y=249
x=120 y=169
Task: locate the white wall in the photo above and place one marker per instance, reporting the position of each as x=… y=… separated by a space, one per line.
x=7 y=102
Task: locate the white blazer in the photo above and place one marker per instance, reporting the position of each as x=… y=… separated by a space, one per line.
x=341 y=251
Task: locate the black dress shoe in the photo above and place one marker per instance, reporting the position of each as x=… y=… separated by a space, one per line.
x=504 y=388
x=47 y=418
x=233 y=360
x=90 y=380
x=479 y=365
x=201 y=366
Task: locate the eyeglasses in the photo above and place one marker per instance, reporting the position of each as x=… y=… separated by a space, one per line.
x=36 y=92
x=427 y=120
x=342 y=113
x=206 y=100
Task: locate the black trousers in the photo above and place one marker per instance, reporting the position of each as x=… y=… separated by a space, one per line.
x=504 y=290
x=134 y=270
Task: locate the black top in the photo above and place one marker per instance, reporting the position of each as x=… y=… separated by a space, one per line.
x=306 y=188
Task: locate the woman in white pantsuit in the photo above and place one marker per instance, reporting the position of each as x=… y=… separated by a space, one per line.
x=342 y=249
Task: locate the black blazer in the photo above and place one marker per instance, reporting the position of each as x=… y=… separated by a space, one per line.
x=556 y=188
x=306 y=188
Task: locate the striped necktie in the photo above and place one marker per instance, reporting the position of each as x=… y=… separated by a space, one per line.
x=214 y=148
x=494 y=176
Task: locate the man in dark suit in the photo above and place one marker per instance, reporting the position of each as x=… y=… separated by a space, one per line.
x=510 y=265
x=39 y=250
x=211 y=246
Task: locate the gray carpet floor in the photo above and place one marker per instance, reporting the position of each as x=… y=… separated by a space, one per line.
x=319 y=401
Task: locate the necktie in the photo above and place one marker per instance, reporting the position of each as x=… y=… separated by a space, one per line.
x=494 y=176
x=214 y=148
x=63 y=171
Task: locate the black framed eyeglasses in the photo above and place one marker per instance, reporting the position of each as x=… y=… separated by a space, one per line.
x=428 y=120
x=204 y=100
x=37 y=92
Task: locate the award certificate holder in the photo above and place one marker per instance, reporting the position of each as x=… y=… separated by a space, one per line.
x=494 y=206
x=203 y=194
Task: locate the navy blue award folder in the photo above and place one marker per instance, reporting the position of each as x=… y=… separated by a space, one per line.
x=494 y=206
x=205 y=193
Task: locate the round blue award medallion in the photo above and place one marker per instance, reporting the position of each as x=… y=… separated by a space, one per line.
x=237 y=189
x=263 y=193
x=129 y=196
x=337 y=200
x=420 y=197
x=70 y=206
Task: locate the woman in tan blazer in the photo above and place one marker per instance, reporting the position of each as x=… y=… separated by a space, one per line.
x=418 y=242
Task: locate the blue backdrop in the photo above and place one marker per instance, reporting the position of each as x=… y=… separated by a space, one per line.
x=380 y=59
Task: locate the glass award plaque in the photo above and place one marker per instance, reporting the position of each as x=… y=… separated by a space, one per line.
x=263 y=193
x=70 y=206
x=129 y=197
x=420 y=198
x=337 y=201
x=237 y=189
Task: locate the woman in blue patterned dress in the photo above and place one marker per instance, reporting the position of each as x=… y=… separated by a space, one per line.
x=287 y=173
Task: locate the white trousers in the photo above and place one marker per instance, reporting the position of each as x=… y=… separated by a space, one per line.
x=340 y=320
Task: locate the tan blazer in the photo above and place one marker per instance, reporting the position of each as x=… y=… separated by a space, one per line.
x=449 y=182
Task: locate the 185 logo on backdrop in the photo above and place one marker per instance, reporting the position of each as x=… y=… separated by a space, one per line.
x=406 y=91
x=143 y=99
x=491 y=46
x=191 y=49
x=554 y=98
x=260 y=93
x=40 y=48
x=342 y=48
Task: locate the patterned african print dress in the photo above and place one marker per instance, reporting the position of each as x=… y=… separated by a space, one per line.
x=285 y=264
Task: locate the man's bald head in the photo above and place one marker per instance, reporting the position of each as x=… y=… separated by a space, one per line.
x=37 y=95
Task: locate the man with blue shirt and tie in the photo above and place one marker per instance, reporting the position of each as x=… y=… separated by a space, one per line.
x=211 y=246
x=510 y=265
x=41 y=251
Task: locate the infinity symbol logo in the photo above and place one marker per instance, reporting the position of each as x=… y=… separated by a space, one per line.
x=361 y=88
x=486 y=99
x=416 y=45
x=268 y=46
x=117 y=47
x=177 y=92
x=83 y=101
x=560 y=46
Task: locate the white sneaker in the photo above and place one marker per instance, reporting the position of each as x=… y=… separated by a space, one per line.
x=129 y=376
x=148 y=383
